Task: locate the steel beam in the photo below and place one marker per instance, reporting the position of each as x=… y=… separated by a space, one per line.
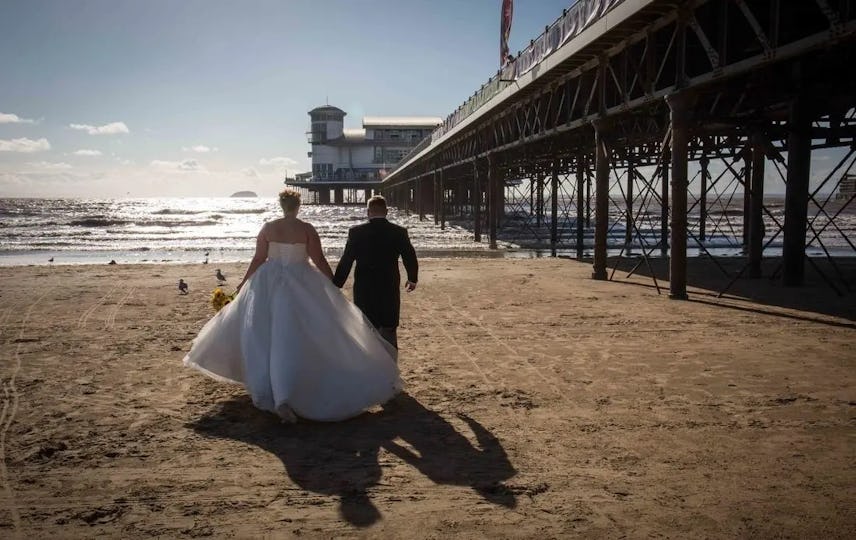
x=601 y=219
x=756 y=209
x=680 y=113
x=796 y=193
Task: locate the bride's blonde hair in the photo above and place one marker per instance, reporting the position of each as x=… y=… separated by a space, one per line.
x=289 y=200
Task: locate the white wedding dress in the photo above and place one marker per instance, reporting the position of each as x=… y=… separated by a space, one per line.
x=297 y=343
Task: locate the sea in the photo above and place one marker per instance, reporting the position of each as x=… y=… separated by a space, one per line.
x=193 y=230
x=180 y=230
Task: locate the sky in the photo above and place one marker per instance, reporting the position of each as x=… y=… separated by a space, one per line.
x=114 y=98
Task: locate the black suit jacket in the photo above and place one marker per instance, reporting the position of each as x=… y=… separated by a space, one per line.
x=375 y=247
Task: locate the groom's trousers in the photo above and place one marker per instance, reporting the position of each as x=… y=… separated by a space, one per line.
x=389 y=333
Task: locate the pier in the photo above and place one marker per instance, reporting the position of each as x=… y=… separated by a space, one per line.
x=654 y=128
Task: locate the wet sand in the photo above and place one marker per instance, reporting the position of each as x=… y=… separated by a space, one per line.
x=539 y=404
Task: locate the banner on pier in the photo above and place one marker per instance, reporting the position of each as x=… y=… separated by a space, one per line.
x=505 y=30
x=574 y=21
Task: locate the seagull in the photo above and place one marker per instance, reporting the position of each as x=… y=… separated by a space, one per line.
x=112 y=261
x=182 y=286
x=220 y=276
x=50 y=260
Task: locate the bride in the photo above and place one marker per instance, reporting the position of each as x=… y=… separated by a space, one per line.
x=291 y=338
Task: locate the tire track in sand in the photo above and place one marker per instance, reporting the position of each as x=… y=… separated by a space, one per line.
x=7 y=415
x=88 y=312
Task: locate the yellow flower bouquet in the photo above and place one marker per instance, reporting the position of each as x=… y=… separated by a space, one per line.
x=219 y=298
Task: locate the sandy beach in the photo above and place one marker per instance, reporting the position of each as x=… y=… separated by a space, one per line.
x=539 y=404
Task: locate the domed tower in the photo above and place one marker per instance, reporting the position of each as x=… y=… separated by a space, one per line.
x=327 y=124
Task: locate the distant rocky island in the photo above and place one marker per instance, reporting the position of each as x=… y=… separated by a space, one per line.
x=244 y=194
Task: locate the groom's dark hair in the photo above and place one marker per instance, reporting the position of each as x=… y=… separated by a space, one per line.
x=377 y=204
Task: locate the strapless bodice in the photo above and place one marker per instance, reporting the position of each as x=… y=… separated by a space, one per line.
x=287 y=253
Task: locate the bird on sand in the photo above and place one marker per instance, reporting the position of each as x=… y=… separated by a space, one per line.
x=51 y=259
x=112 y=262
x=182 y=286
x=220 y=276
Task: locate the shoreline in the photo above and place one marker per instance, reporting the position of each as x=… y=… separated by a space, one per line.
x=244 y=256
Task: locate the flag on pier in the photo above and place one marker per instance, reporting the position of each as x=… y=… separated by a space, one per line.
x=505 y=30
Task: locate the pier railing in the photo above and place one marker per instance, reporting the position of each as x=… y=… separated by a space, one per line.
x=570 y=24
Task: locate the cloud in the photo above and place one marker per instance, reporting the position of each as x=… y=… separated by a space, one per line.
x=24 y=145
x=199 y=149
x=85 y=152
x=187 y=165
x=113 y=128
x=278 y=161
x=249 y=172
x=47 y=165
x=9 y=118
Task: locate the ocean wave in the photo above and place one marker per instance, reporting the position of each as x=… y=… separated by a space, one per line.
x=245 y=211
x=99 y=221
x=30 y=224
x=176 y=211
x=176 y=223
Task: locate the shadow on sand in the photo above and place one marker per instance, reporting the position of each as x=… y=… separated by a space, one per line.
x=341 y=459
x=815 y=297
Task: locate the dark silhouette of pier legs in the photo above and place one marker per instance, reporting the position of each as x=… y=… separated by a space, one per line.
x=435 y=193
x=756 y=209
x=441 y=191
x=601 y=211
x=477 y=203
x=680 y=115
x=702 y=202
x=493 y=199
x=339 y=195
x=324 y=196
x=628 y=232
x=554 y=207
x=747 y=195
x=664 y=210
x=581 y=209
x=796 y=193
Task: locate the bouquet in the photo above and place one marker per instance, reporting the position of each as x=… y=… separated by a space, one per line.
x=220 y=299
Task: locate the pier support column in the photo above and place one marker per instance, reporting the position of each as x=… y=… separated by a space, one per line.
x=796 y=193
x=477 y=203
x=324 y=196
x=747 y=194
x=554 y=207
x=532 y=210
x=704 y=162
x=756 y=207
x=539 y=199
x=435 y=194
x=339 y=196
x=588 y=200
x=664 y=196
x=367 y=194
x=420 y=203
x=628 y=233
x=493 y=199
x=680 y=107
x=441 y=190
x=601 y=210
x=460 y=191
x=580 y=221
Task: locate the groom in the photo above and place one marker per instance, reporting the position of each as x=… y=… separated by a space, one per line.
x=376 y=246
